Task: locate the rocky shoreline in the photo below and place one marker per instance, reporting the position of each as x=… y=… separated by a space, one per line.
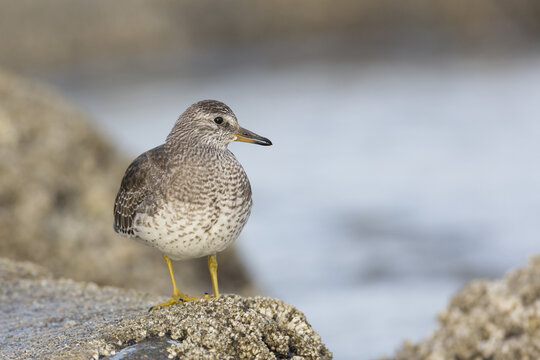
x=496 y=320
x=59 y=178
x=44 y=317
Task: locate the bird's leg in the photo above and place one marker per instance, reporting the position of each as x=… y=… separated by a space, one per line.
x=177 y=296
x=212 y=266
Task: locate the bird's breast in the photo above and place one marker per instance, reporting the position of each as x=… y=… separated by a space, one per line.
x=202 y=212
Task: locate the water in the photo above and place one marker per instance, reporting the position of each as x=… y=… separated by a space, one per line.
x=388 y=186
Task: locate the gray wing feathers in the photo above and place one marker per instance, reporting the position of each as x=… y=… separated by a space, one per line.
x=135 y=187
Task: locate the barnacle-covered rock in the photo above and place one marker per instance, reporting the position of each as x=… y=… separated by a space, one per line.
x=43 y=317
x=497 y=320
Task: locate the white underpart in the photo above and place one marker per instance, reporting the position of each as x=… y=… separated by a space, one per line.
x=196 y=235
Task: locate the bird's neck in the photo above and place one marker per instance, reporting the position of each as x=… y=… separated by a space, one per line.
x=188 y=148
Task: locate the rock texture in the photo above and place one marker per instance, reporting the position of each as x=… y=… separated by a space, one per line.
x=58 y=181
x=495 y=320
x=43 y=317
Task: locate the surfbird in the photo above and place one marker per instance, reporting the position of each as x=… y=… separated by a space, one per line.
x=189 y=197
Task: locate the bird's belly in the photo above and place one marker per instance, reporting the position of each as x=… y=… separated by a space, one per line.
x=185 y=233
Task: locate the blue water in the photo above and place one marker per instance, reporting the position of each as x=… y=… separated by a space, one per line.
x=388 y=186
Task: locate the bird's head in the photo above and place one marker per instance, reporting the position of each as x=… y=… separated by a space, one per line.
x=211 y=123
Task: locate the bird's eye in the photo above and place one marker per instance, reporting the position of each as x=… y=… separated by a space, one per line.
x=218 y=120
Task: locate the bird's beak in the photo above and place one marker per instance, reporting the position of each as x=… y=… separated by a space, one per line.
x=250 y=137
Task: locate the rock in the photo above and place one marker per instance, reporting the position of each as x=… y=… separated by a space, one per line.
x=57 y=188
x=43 y=317
x=496 y=320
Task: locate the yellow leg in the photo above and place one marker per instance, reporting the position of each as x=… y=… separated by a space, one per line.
x=212 y=266
x=177 y=296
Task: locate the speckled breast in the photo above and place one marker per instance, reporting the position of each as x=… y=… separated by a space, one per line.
x=203 y=214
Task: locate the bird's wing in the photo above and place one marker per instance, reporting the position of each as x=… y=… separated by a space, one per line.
x=136 y=185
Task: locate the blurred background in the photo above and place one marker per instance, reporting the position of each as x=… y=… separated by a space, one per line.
x=406 y=141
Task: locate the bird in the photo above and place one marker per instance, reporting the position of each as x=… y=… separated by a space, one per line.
x=189 y=197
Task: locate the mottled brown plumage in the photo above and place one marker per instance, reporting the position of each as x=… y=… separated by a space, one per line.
x=189 y=197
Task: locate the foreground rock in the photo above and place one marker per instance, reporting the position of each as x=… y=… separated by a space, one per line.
x=43 y=317
x=58 y=182
x=496 y=320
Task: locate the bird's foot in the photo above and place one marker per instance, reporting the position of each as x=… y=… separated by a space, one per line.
x=186 y=297
x=182 y=298
x=208 y=296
